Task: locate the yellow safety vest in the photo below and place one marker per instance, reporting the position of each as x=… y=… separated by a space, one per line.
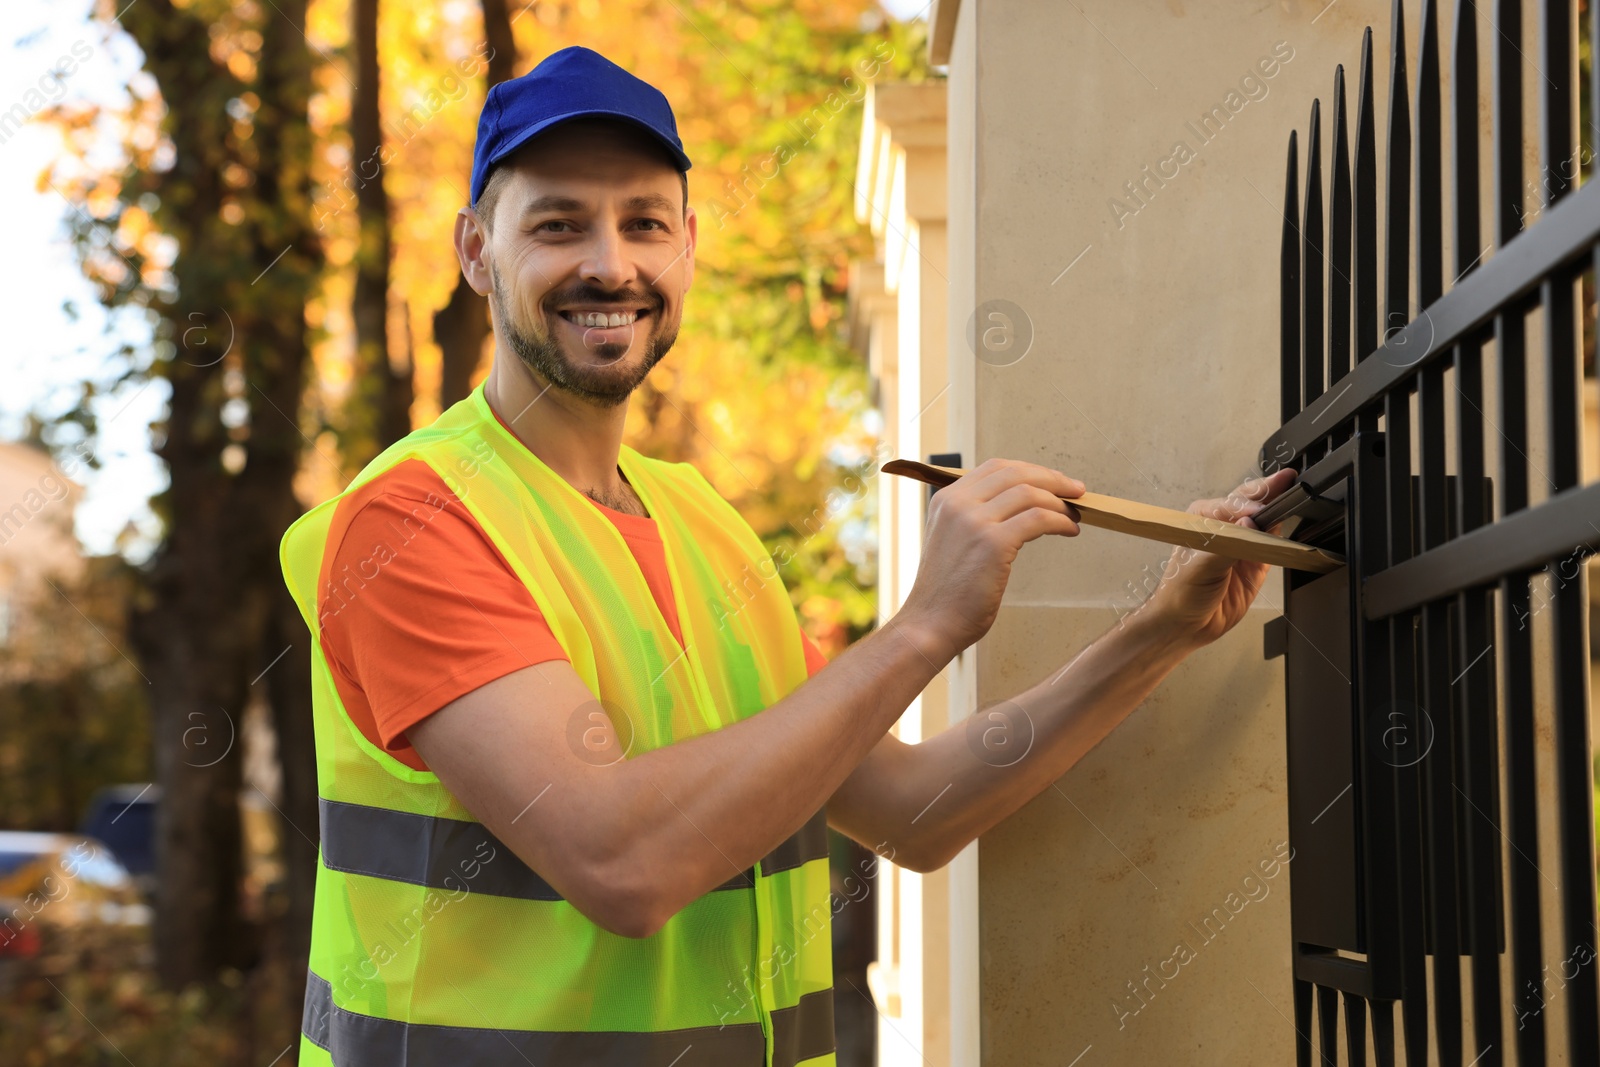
x=432 y=943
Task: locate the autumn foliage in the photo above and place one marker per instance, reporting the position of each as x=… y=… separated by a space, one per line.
x=286 y=247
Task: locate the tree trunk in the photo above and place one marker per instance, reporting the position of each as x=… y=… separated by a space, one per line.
x=502 y=59
x=381 y=413
x=289 y=692
x=459 y=329
x=202 y=615
x=461 y=325
x=277 y=448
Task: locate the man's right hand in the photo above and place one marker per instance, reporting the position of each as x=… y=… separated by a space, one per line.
x=976 y=527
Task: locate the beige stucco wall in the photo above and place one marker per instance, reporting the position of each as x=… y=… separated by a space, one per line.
x=1152 y=375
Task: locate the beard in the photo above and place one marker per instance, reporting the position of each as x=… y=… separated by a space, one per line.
x=602 y=379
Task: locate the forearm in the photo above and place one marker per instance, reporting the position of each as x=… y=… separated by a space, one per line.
x=959 y=783
x=702 y=810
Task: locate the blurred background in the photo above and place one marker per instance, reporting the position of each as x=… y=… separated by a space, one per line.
x=230 y=284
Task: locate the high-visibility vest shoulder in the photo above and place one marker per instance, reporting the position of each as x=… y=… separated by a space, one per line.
x=432 y=943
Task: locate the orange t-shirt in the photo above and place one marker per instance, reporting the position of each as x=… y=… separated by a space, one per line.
x=428 y=609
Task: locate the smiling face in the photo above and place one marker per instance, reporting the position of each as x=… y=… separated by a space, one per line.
x=588 y=251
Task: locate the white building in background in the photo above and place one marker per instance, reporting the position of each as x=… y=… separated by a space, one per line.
x=37 y=543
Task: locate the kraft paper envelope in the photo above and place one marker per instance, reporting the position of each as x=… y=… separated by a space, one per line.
x=1167 y=525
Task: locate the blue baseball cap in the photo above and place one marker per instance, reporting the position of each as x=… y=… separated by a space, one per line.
x=573 y=83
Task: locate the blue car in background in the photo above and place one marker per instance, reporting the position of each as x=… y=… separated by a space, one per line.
x=124 y=818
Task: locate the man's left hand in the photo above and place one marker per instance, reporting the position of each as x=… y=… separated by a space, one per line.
x=1203 y=595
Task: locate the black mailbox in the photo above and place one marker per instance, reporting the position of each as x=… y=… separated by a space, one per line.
x=1355 y=746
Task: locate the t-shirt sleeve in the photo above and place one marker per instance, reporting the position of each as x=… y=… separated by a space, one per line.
x=422 y=610
x=815 y=660
x=419 y=608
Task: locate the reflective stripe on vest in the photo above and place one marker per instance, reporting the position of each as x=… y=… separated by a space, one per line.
x=800 y=1033
x=426 y=925
x=429 y=851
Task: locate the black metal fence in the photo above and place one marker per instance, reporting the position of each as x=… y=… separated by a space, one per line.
x=1416 y=780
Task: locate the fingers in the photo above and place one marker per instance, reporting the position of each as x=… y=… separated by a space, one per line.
x=1036 y=522
x=993 y=477
x=1249 y=497
x=1023 y=498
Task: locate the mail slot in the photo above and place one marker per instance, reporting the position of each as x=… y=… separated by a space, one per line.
x=1341 y=791
x=1326 y=871
x=1362 y=757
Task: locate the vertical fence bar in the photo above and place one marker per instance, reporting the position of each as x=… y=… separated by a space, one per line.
x=1515 y=637
x=1289 y=359
x=1328 y=1023
x=1397 y=434
x=1339 y=248
x=1367 y=532
x=1479 y=749
x=1574 y=775
x=1312 y=267
x=1302 y=1023
x=1426 y=131
x=1289 y=288
x=1383 y=1031
x=1364 y=182
x=1364 y=236
x=1435 y=670
x=1355 y=1029
x=1397 y=192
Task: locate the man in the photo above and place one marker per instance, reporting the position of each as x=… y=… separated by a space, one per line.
x=574 y=797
